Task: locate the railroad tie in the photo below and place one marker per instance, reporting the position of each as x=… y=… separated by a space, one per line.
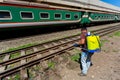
x=23 y=72
x=43 y=55
x=38 y=55
x=68 y=39
x=62 y=47
x=35 y=49
x=52 y=51
x=69 y=52
x=46 y=46
x=2 y=68
x=54 y=43
x=62 y=41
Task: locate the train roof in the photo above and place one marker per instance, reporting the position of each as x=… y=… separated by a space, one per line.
x=82 y=5
x=87 y=4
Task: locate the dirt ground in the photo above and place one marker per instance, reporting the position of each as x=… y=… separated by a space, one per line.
x=106 y=64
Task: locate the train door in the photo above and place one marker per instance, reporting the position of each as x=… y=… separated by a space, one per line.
x=85 y=18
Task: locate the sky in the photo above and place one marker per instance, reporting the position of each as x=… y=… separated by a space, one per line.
x=113 y=2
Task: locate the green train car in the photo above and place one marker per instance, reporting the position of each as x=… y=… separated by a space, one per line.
x=15 y=16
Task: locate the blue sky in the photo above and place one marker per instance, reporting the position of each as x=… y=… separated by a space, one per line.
x=113 y=2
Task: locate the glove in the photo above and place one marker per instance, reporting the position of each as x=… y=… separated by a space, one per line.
x=76 y=45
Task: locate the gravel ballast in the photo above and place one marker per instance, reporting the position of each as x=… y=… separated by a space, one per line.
x=5 y=45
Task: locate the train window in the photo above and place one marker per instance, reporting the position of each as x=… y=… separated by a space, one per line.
x=101 y=17
x=98 y=16
x=94 y=17
x=67 y=16
x=5 y=15
x=27 y=15
x=57 y=16
x=44 y=15
x=76 y=16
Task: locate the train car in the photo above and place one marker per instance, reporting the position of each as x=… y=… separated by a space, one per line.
x=31 y=16
x=117 y=17
x=97 y=17
x=25 y=15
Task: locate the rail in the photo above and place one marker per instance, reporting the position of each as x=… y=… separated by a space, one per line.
x=41 y=52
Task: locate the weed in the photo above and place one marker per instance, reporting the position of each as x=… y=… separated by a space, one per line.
x=15 y=55
x=51 y=65
x=1 y=58
x=117 y=34
x=110 y=36
x=20 y=47
x=75 y=57
x=17 y=77
x=32 y=44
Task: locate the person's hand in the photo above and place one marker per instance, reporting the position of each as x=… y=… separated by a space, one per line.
x=76 y=45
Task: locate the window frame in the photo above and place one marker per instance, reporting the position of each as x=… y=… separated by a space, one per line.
x=95 y=17
x=66 y=14
x=77 y=16
x=7 y=18
x=27 y=18
x=44 y=12
x=60 y=16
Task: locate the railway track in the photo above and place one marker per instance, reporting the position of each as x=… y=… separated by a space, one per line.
x=27 y=57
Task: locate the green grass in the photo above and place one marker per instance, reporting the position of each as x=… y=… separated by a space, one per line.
x=10 y=66
x=11 y=79
x=15 y=55
x=51 y=65
x=1 y=58
x=20 y=47
x=17 y=77
x=75 y=57
x=117 y=34
x=32 y=44
x=110 y=36
x=38 y=67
